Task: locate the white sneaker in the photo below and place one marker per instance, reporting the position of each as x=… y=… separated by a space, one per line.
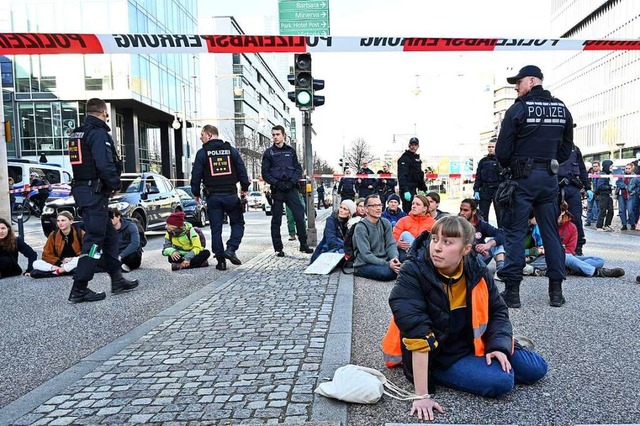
x=125 y=268
x=528 y=270
x=608 y=228
x=496 y=277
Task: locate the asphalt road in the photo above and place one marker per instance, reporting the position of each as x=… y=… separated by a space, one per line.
x=591 y=346
x=43 y=334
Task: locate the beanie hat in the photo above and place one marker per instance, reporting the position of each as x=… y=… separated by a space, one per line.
x=394 y=197
x=176 y=219
x=350 y=205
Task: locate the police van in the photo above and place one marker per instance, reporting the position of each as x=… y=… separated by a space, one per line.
x=20 y=171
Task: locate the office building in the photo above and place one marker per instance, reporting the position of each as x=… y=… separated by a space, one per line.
x=44 y=96
x=600 y=88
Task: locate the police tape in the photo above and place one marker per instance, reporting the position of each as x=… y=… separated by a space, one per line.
x=27 y=43
x=29 y=188
x=392 y=176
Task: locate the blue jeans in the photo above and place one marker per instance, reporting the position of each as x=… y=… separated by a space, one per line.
x=375 y=272
x=585 y=265
x=409 y=238
x=592 y=210
x=632 y=206
x=472 y=374
x=493 y=252
x=218 y=205
x=622 y=210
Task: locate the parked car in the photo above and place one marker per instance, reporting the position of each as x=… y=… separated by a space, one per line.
x=148 y=197
x=20 y=169
x=195 y=211
x=255 y=200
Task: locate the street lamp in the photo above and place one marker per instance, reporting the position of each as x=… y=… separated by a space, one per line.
x=620 y=145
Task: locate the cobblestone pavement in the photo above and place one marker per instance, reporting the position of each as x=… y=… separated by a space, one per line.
x=250 y=350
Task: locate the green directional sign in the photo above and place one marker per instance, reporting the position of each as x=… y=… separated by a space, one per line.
x=304 y=17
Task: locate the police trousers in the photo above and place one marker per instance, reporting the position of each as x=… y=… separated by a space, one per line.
x=99 y=231
x=538 y=191
x=291 y=199
x=218 y=205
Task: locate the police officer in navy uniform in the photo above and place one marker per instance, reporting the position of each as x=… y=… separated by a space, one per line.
x=96 y=173
x=573 y=180
x=219 y=167
x=488 y=178
x=281 y=170
x=536 y=135
x=366 y=185
x=410 y=174
x=347 y=186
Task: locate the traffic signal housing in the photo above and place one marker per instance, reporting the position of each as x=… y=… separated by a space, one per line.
x=318 y=100
x=304 y=84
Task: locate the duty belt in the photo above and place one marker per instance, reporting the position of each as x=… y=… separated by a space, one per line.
x=540 y=164
x=86 y=182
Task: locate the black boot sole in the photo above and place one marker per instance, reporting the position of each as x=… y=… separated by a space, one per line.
x=233 y=259
x=120 y=290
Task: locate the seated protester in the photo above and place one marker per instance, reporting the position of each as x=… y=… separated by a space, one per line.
x=182 y=244
x=489 y=241
x=129 y=248
x=588 y=266
x=434 y=203
x=61 y=251
x=361 y=209
x=335 y=230
x=376 y=252
x=454 y=325
x=393 y=213
x=10 y=246
x=533 y=249
x=410 y=227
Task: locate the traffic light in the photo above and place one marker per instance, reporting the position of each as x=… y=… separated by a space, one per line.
x=341 y=163
x=317 y=99
x=303 y=80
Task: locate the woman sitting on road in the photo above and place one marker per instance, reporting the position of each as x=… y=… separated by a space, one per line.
x=129 y=248
x=62 y=249
x=335 y=230
x=411 y=226
x=454 y=325
x=10 y=246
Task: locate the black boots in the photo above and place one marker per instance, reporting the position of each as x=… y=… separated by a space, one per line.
x=222 y=263
x=231 y=255
x=511 y=294
x=306 y=249
x=80 y=293
x=120 y=285
x=556 y=299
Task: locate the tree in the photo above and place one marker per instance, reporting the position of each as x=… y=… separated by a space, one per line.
x=321 y=167
x=358 y=152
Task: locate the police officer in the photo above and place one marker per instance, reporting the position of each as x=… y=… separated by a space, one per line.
x=366 y=185
x=410 y=174
x=573 y=180
x=96 y=171
x=536 y=135
x=487 y=180
x=347 y=186
x=385 y=185
x=219 y=167
x=281 y=170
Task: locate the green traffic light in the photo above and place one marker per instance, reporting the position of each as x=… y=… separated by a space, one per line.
x=303 y=98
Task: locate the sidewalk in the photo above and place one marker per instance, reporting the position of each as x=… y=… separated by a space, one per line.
x=249 y=346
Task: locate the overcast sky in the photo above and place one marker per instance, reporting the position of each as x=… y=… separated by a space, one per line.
x=372 y=95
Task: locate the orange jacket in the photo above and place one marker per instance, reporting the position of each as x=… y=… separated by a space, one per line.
x=415 y=224
x=52 y=251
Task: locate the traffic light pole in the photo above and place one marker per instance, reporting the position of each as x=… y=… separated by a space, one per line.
x=312 y=232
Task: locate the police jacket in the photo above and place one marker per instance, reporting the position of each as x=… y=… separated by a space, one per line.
x=410 y=174
x=574 y=170
x=386 y=185
x=93 y=155
x=536 y=126
x=280 y=165
x=421 y=309
x=365 y=182
x=347 y=185
x=219 y=167
x=487 y=173
x=129 y=238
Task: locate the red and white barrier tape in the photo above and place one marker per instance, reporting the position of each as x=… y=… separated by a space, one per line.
x=392 y=176
x=61 y=43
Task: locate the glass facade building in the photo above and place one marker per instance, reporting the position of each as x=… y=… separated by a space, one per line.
x=44 y=95
x=600 y=88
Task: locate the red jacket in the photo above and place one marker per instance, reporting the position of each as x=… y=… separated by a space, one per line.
x=568 y=236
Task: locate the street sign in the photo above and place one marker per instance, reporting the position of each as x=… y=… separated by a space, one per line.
x=304 y=17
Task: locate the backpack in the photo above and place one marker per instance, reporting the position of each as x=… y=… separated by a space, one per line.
x=143 y=237
x=203 y=240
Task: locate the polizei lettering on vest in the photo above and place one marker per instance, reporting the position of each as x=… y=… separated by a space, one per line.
x=546 y=111
x=219 y=152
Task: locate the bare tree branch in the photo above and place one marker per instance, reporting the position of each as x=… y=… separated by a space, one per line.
x=358 y=152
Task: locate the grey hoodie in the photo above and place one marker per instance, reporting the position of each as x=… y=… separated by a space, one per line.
x=374 y=243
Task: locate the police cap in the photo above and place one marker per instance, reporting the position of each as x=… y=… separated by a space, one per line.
x=526 y=71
